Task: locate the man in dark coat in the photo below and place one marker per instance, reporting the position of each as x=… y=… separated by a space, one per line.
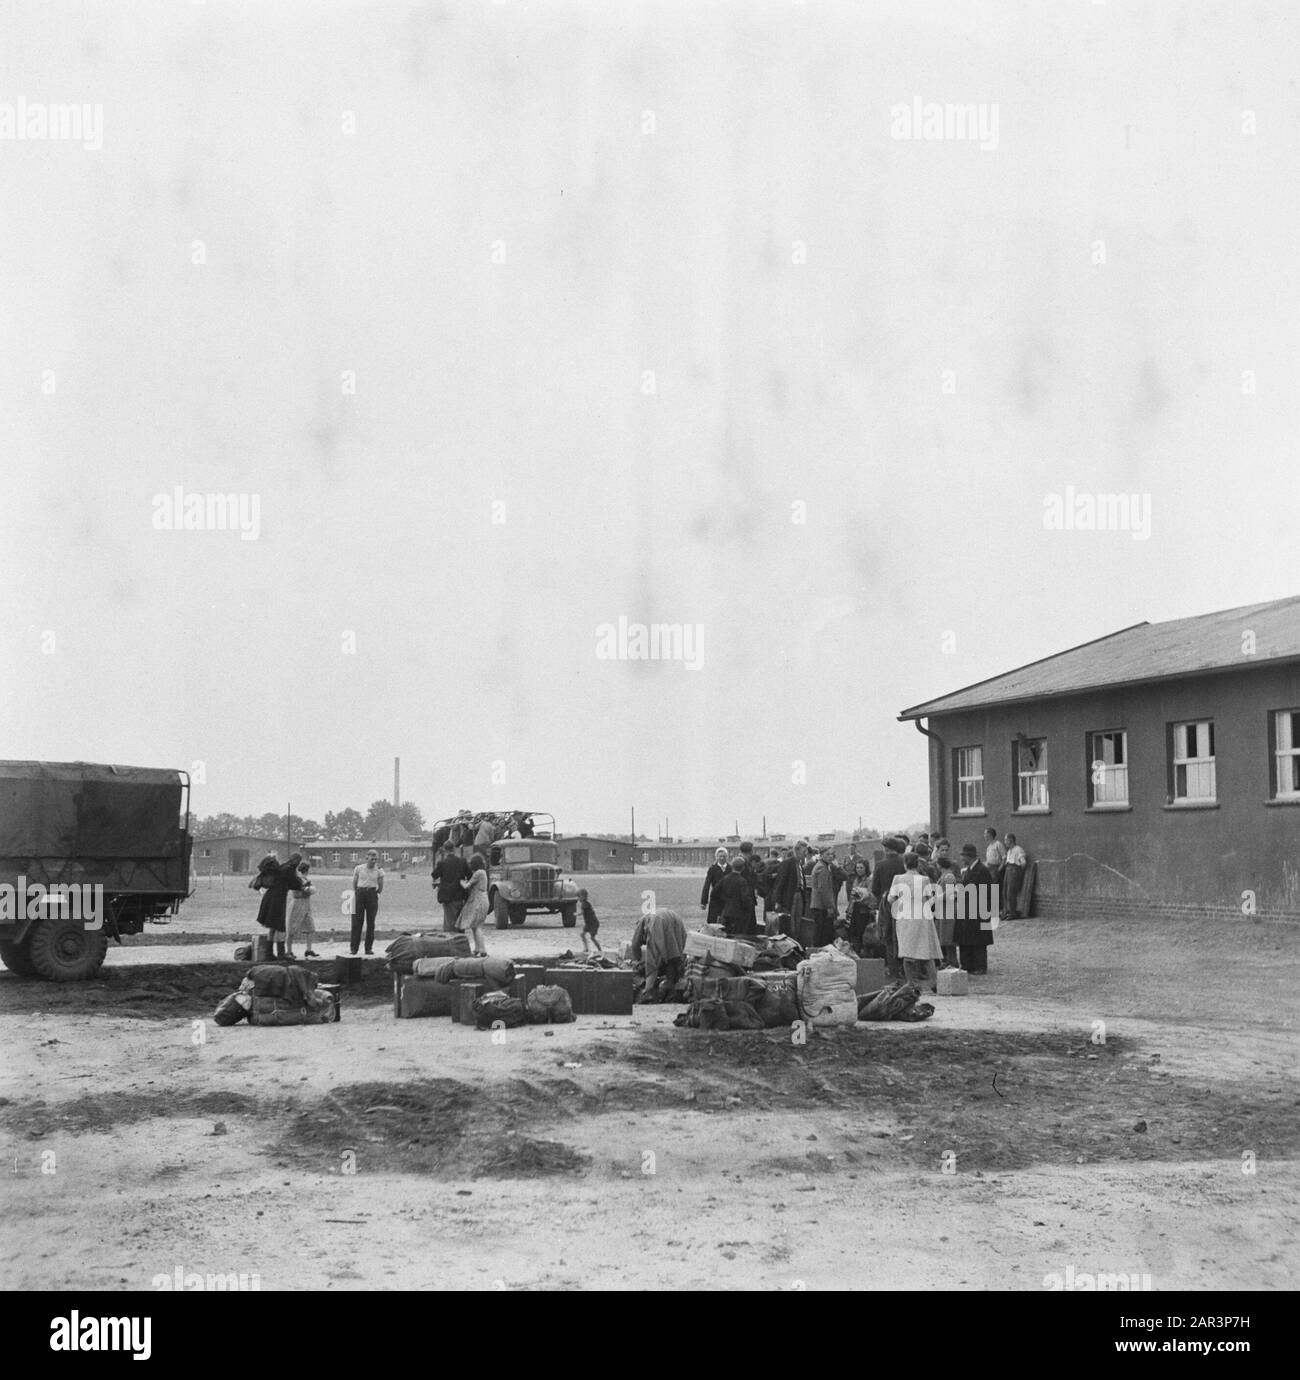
x=736 y=897
x=882 y=878
x=787 y=891
x=447 y=874
x=976 y=914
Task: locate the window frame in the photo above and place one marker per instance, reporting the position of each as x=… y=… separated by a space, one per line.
x=1200 y=761
x=1276 y=753
x=1019 y=776
x=959 y=781
x=1091 y=759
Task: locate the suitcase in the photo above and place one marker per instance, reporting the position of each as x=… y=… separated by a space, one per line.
x=263 y=949
x=595 y=991
x=413 y=996
x=953 y=982
x=462 y=1010
x=806 y=932
x=347 y=969
x=527 y=976
x=872 y=975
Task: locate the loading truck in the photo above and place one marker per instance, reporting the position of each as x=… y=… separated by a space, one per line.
x=87 y=853
x=524 y=873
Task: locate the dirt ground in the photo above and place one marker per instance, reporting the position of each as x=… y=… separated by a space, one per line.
x=996 y=1144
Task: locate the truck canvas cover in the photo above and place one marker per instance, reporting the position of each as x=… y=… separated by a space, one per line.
x=77 y=821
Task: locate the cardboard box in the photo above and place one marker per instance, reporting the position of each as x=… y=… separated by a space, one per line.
x=872 y=976
x=953 y=982
x=701 y=945
x=595 y=991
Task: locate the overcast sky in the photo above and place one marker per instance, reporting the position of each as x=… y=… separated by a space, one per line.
x=502 y=220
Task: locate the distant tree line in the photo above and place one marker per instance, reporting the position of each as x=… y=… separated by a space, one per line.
x=345 y=824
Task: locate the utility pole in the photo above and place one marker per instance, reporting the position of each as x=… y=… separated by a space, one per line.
x=633 y=826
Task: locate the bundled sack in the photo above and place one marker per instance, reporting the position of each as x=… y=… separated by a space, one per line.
x=747 y=989
x=234 y=1008
x=703 y=969
x=424 y=997
x=826 y=985
x=713 y=1013
x=549 y=1005
x=318 y=1009
x=898 y=1002
x=778 y=1006
x=494 y=1007
x=243 y=953
x=288 y=981
x=406 y=948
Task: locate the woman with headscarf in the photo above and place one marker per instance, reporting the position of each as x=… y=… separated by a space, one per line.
x=275 y=880
x=302 y=924
x=709 y=896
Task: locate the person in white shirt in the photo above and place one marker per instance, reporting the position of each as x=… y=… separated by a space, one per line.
x=367 y=883
x=912 y=897
x=1013 y=879
x=995 y=856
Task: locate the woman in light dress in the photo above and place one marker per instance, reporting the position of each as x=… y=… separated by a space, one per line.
x=301 y=922
x=475 y=910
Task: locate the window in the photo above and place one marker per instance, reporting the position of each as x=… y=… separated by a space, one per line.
x=1286 y=754
x=1193 y=760
x=969 y=777
x=1031 y=773
x=1108 y=768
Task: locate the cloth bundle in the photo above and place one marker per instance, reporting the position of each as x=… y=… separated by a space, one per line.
x=406 y=948
x=898 y=1002
x=713 y=1013
x=278 y=994
x=827 y=988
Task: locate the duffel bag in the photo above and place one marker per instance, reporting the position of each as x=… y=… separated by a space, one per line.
x=439 y=969
x=549 y=1005
x=406 y=948
x=496 y=972
x=499 y=1007
x=777 y=1006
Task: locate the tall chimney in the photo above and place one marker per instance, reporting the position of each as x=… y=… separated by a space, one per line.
x=397 y=783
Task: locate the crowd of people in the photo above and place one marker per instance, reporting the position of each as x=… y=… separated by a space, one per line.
x=926 y=907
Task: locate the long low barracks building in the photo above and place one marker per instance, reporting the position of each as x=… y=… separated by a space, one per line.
x=1156 y=768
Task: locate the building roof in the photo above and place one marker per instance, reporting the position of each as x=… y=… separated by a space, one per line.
x=1145 y=652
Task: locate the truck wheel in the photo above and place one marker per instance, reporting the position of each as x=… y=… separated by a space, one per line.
x=518 y=914
x=568 y=916
x=17 y=959
x=502 y=913
x=64 y=950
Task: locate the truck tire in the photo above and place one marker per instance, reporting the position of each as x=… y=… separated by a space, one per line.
x=501 y=912
x=518 y=914
x=568 y=916
x=64 y=950
x=16 y=958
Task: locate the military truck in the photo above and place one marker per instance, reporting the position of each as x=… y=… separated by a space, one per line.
x=87 y=853
x=523 y=870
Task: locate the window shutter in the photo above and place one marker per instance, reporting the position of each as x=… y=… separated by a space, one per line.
x=1169 y=764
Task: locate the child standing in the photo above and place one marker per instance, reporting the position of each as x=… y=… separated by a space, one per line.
x=590 y=926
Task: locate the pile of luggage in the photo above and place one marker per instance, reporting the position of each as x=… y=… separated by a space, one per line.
x=433 y=975
x=280 y=994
